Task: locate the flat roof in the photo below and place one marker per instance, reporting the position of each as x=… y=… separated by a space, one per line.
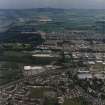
x=42 y=55
x=32 y=67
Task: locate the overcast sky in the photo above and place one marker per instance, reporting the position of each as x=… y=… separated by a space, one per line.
x=98 y=4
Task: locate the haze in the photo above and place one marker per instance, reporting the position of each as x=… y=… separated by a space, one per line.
x=21 y=4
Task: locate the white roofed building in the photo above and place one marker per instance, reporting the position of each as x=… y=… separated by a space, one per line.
x=32 y=70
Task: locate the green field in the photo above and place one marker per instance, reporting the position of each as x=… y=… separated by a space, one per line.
x=75 y=101
x=39 y=92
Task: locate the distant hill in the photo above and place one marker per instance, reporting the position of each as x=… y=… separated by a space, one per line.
x=70 y=19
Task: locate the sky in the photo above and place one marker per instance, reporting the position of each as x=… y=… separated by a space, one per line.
x=21 y=4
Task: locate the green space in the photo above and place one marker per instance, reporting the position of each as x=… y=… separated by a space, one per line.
x=39 y=92
x=75 y=101
x=50 y=101
x=16 y=46
x=48 y=95
x=97 y=67
x=25 y=58
x=10 y=71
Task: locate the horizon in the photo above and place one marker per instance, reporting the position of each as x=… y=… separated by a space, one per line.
x=52 y=8
x=65 y=4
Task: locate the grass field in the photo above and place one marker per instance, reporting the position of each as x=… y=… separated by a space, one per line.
x=39 y=92
x=75 y=101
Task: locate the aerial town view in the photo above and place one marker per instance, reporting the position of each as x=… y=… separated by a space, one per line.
x=52 y=54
